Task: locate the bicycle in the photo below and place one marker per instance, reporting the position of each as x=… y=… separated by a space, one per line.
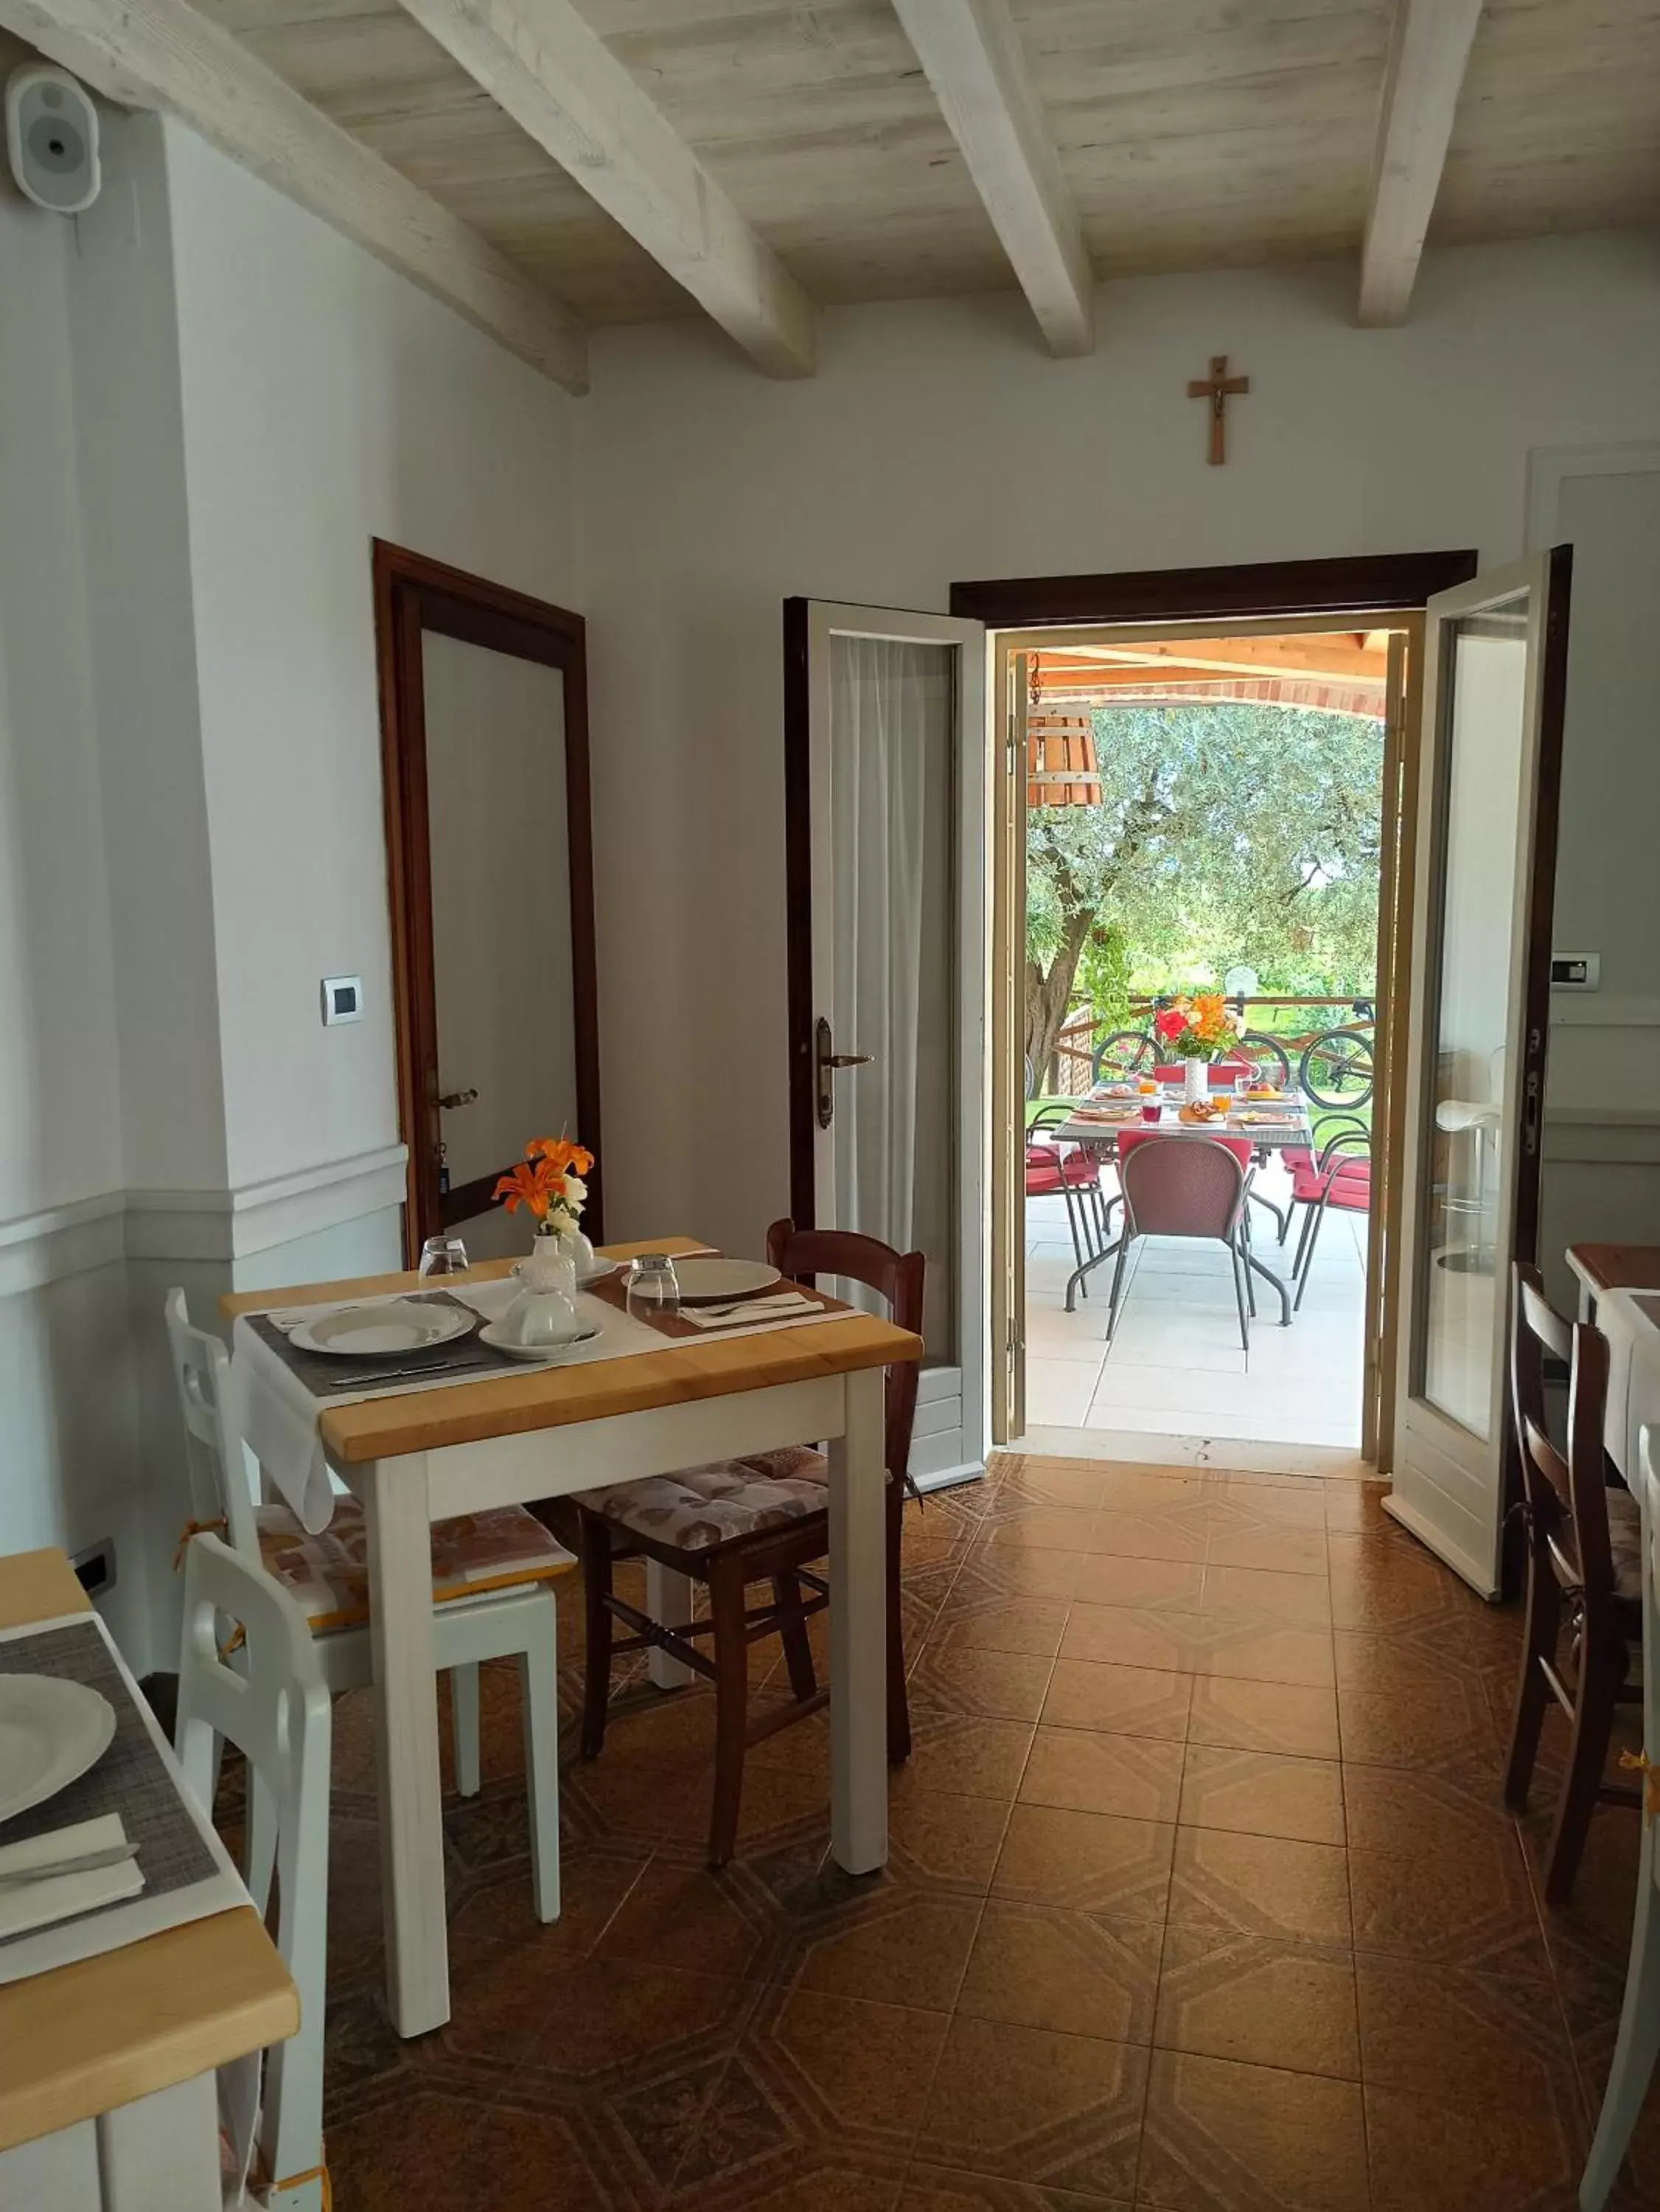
x=1338 y=1068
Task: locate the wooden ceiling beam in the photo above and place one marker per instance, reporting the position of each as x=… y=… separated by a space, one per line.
x=971 y=53
x=1429 y=45
x=162 y=54
x=540 y=61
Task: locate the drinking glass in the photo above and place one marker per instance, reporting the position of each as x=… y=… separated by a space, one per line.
x=443 y=1255
x=1152 y=1108
x=651 y=1285
x=1242 y=1083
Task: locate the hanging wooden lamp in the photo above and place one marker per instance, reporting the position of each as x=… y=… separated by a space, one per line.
x=1061 y=767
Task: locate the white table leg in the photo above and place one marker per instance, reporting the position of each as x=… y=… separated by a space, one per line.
x=394 y=1493
x=161 y=2154
x=858 y=1633
x=668 y=1599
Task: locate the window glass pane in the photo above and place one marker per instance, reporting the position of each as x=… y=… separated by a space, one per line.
x=1471 y=1155
x=893 y=713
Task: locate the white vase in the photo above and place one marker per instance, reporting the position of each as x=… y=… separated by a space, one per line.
x=552 y=1265
x=1195 y=1082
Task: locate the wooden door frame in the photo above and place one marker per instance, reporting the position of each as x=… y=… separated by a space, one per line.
x=1295 y=592
x=413 y=594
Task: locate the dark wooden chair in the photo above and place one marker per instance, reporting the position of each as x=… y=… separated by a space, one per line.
x=766 y=1520
x=1584 y=1570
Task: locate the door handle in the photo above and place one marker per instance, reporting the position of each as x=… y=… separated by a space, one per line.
x=826 y=1061
x=451 y=1099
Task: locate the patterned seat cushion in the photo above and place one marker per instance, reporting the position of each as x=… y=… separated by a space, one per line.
x=328 y=1574
x=701 y=1507
x=1626 y=1543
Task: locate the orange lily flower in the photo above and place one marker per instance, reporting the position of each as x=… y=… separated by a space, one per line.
x=560 y=1153
x=532 y=1183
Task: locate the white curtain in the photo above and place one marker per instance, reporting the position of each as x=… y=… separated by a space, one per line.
x=891 y=709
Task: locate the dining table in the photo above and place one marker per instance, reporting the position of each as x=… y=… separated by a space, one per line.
x=108 y=2062
x=1269 y=1126
x=542 y=1432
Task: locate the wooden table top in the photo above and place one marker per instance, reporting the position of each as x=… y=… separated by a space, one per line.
x=1616 y=1267
x=87 y=2037
x=552 y=1397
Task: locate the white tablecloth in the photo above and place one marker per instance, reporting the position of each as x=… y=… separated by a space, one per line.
x=279 y=1415
x=1631 y=1321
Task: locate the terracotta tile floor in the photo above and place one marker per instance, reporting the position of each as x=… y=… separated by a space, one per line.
x=1201 y=1897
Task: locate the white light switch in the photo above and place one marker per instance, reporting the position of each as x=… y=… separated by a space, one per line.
x=343 y=1000
x=1575 y=971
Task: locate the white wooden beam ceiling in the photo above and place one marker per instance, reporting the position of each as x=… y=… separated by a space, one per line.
x=970 y=51
x=539 y=60
x=1429 y=46
x=162 y=54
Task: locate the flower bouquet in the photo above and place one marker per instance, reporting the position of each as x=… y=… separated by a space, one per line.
x=548 y=1182
x=1196 y=1031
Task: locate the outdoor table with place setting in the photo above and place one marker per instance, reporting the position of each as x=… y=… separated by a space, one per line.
x=132 y=1964
x=1270 y=1119
x=426 y=1401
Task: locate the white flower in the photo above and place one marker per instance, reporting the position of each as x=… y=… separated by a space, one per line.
x=575 y=1191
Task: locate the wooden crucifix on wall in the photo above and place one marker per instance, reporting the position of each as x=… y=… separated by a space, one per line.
x=1219 y=387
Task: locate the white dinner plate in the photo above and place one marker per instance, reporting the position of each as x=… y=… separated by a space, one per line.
x=392 y=1326
x=542 y=1355
x=710 y=1282
x=598 y=1272
x=50 y=1732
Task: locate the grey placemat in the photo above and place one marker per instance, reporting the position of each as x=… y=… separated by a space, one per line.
x=131 y=1778
x=326 y=1376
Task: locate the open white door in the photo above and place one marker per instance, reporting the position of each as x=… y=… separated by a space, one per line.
x=886 y=784
x=1494 y=676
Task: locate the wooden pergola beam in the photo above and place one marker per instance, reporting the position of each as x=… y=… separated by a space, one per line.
x=540 y=61
x=1429 y=46
x=1342 y=657
x=970 y=51
x=162 y=54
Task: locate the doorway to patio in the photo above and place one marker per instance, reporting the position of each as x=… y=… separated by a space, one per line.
x=1207 y=843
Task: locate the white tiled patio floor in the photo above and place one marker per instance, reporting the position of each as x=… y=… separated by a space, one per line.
x=1176 y=1367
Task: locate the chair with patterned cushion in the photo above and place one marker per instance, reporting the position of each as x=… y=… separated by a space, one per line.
x=1584 y=1570
x=492 y=1595
x=764 y=1519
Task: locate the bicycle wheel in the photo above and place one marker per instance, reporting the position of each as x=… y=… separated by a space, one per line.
x=1125 y=1053
x=1337 y=1070
x=1270 y=1055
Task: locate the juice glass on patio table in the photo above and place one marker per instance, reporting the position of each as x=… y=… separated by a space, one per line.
x=1152 y=1108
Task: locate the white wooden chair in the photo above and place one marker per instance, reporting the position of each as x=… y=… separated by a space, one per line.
x=1639 y=2040
x=493 y=1594
x=275 y=1708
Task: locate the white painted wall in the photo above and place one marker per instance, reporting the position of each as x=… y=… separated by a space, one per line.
x=65 y=1451
x=326 y=402
x=937 y=442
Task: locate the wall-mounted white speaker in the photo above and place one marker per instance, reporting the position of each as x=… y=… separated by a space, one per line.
x=52 y=138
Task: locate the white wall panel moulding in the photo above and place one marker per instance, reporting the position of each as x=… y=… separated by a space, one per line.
x=230 y=1224
x=1595 y=1012
x=36 y=1248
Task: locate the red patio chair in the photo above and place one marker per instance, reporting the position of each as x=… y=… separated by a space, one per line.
x=1072 y=1173
x=1184 y=1187
x=1342 y=1177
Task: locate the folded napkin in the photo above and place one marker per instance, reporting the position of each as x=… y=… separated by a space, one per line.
x=781 y=1307
x=26 y=1905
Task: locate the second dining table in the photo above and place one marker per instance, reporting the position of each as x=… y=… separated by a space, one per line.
x=427 y=1455
x=1280 y=1125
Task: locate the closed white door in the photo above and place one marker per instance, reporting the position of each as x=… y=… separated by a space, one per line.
x=888 y=783
x=1495 y=665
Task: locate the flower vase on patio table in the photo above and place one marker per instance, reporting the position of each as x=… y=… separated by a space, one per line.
x=1195 y=1082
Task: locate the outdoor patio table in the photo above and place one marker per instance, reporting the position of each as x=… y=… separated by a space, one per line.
x=1279 y=1129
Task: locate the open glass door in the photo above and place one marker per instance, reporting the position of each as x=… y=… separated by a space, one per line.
x=1495 y=664
x=886 y=791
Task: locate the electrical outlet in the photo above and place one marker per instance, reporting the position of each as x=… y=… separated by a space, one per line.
x=95 y=1567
